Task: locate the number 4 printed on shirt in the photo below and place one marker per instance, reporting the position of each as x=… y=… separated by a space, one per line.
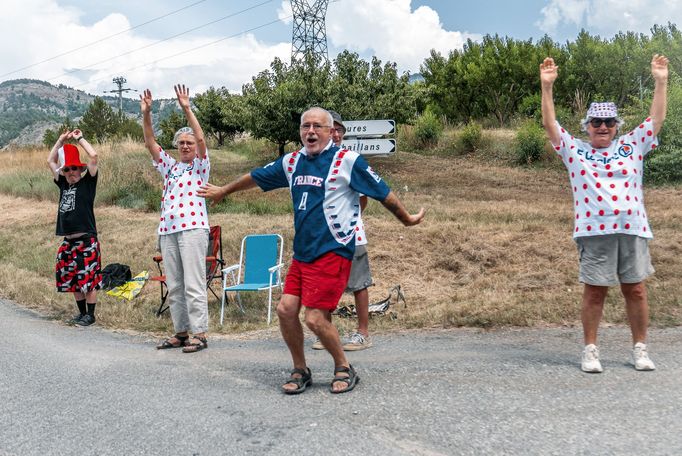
x=304 y=199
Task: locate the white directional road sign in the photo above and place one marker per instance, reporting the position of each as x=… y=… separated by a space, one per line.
x=369 y=127
x=365 y=146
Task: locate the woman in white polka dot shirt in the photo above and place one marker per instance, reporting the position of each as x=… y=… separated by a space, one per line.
x=183 y=225
x=611 y=228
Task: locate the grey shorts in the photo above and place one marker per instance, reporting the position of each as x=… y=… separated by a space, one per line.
x=360 y=275
x=613 y=258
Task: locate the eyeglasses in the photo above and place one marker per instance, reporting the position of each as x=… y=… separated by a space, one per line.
x=71 y=168
x=340 y=130
x=596 y=122
x=316 y=127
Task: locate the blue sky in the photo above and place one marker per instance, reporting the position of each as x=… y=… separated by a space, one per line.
x=231 y=50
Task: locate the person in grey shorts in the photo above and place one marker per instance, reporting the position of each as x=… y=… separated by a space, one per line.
x=360 y=275
x=611 y=227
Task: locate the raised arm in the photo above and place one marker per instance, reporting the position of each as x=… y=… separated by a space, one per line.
x=92 y=155
x=182 y=93
x=53 y=156
x=147 y=127
x=216 y=193
x=393 y=204
x=548 y=74
x=659 y=70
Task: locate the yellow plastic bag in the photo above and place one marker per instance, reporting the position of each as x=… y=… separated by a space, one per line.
x=131 y=288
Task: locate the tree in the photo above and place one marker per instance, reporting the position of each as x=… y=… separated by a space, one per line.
x=99 y=122
x=362 y=90
x=490 y=77
x=356 y=89
x=276 y=98
x=169 y=126
x=219 y=113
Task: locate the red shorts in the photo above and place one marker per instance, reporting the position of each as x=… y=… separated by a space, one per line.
x=319 y=284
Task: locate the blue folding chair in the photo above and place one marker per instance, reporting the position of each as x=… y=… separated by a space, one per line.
x=259 y=268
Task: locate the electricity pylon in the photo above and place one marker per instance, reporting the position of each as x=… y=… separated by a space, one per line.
x=310 y=32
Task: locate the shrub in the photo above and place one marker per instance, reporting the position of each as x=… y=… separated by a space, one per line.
x=663 y=166
x=529 y=143
x=428 y=129
x=470 y=137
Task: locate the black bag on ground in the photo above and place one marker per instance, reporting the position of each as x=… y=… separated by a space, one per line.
x=114 y=275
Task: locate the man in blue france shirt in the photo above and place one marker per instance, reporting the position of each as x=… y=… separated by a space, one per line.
x=325 y=183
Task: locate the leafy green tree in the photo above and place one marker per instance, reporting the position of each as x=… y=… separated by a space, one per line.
x=99 y=122
x=219 y=113
x=169 y=126
x=490 y=77
x=275 y=99
x=356 y=89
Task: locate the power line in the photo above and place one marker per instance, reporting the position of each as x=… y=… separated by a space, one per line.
x=161 y=41
x=189 y=50
x=102 y=39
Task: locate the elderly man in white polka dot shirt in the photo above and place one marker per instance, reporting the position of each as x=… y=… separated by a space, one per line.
x=611 y=228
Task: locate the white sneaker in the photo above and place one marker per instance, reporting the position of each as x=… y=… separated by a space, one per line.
x=357 y=342
x=590 y=362
x=640 y=358
x=317 y=345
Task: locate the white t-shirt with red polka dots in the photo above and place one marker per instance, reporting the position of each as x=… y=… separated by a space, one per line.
x=360 y=237
x=607 y=183
x=181 y=207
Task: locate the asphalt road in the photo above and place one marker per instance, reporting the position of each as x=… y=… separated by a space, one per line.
x=84 y=391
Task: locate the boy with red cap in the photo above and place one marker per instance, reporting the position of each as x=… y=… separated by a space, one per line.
x=78 y=258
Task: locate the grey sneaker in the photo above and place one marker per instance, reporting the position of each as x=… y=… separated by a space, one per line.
x=317 y=345
x=86 y=320
x=640 y=358
x=356 y=342
x=590 y=362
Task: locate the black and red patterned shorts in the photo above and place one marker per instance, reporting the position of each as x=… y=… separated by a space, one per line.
x=78 y=265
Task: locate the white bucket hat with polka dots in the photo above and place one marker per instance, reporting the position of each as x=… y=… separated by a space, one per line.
x=603 y=110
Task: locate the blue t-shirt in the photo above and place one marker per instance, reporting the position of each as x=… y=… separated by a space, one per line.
x=325 y=193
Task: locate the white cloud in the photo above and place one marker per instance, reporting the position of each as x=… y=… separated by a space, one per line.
x=41 y=29
x=608 y=17
x=36 y=30
x=391 y=30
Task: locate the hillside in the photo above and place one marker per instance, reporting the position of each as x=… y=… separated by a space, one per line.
x=28 y=107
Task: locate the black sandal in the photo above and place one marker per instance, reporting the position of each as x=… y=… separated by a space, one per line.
x=193 y=347
x=350 y=381
x=181 y=342
x=305 y=380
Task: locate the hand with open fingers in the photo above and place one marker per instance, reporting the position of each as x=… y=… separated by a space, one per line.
x=659 y=67
x=182 y=93
x=212 y=192
x=146 y=101
x=549 y=71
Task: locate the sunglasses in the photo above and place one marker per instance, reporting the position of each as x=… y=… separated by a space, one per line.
x=71 y=168
x=596 y=122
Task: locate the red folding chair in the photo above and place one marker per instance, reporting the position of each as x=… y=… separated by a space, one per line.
x=214 y=265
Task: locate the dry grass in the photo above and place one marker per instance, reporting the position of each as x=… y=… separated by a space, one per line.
x=495 y=248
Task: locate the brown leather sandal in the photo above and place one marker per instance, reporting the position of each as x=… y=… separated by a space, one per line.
x=192 y=347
